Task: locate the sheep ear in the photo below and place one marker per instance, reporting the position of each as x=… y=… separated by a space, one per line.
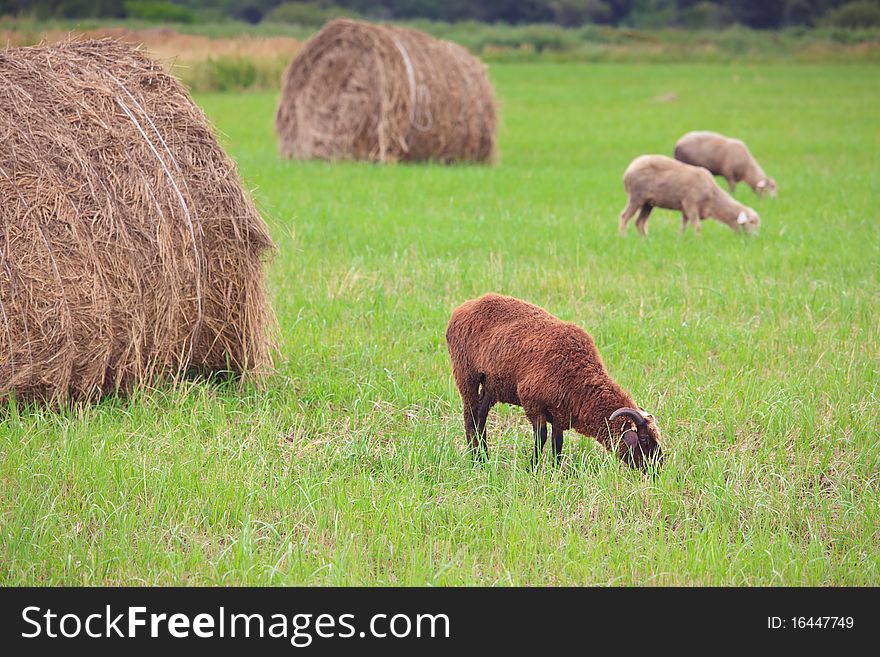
x=743 y=218
x=762 y=184
x=631 y=438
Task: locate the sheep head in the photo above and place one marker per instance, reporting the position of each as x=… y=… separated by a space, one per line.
x=766 y=186
x=748 y=220
x=640 y=441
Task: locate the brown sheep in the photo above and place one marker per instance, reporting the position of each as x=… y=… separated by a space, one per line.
x=506 y=350
x=659 y=181
x=725 y=157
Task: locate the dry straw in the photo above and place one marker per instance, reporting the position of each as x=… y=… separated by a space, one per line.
x=384 y=94
x=128 y=248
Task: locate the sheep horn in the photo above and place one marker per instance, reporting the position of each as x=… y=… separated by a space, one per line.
x=632 y=414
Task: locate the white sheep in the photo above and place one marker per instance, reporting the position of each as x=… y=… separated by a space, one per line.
x=659 y=181
x=726 y=157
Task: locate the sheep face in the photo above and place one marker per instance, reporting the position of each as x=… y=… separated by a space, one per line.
x=767 y=187
x=639 y=445
x=748 y=220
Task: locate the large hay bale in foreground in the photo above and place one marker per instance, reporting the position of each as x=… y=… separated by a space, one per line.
x=383 y=94
x=128 y=248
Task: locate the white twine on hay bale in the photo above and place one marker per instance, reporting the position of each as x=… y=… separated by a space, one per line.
x=411 y=77
x=197 y=248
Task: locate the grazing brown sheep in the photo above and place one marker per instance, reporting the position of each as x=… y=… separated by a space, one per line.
x=659 y=181
x=506 y=350
x=726 y=157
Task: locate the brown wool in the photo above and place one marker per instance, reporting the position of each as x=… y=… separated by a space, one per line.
x=507 y=350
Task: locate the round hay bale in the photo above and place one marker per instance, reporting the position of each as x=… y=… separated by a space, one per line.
x=128 y=248
x=384 y=94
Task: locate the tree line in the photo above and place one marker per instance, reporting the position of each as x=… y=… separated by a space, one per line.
x=760 y=14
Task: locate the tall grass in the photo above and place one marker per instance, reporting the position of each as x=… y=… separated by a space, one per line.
x=232 y=73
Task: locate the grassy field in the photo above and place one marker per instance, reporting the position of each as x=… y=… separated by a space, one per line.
x=759 y=357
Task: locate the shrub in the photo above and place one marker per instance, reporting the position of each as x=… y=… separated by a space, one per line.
x=310 y=14
x=47 y=9
x=862 y=13
x=574 y=13
x=232 y=73
x=158 y=11
x=798 y=12
x=706 y=15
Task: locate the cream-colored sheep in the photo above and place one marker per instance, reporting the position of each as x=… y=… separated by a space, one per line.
x=725 y=157
x=659 y=181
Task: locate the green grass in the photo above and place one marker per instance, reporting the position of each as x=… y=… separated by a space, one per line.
x=759 y=357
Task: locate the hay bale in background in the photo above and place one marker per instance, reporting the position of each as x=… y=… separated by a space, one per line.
x=383 y=93
x=128 y=248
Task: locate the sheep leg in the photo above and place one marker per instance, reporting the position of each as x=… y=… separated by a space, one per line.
x=642 y=219
x=731 y=185
x=627 y=214
x=478 y=441
x=470 y=428
x=557 y=442
x=694 y=216
x=690 y=214
x=469 y=387
x=540 y=426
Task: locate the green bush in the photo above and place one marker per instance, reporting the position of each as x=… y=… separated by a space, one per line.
x=158 y=11
x=232 y=74
x=706 y=15
x=862 y=13
x=548 y=37
x=46 y=9
x=574 y=13
x=798 y=12
x=477 y=37
x=310 y=14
